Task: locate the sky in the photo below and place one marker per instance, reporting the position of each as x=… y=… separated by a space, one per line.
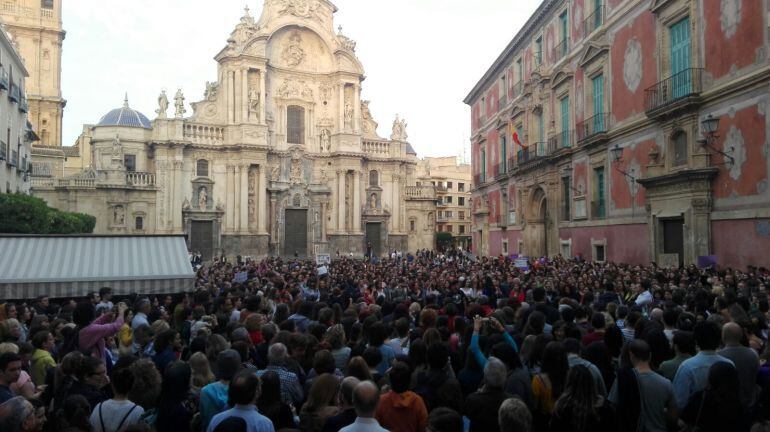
x=421 y=57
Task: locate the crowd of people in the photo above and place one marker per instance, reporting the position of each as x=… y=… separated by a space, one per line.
x=413 y=342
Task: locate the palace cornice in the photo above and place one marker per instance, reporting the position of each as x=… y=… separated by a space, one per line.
x=536 y=20
x=679 y=177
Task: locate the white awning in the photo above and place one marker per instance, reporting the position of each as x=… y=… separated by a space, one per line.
x=70 y=266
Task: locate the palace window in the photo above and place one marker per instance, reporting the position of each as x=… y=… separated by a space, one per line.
x=680 y=148
x=461 y=187
x=600 y=210
x=139 y=223
x=461 y=201
x=295 y=125
x=461 y=229
x=411 y=225
x=129 y=161
x=374 y=178
x=202 y=168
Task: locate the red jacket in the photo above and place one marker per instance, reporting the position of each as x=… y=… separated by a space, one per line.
x=402 y=412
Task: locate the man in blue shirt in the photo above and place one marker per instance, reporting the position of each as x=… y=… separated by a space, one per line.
x=242 y=396
x=10 y=369
x=692 y=375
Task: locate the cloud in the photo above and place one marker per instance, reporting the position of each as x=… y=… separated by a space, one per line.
x=421 y=56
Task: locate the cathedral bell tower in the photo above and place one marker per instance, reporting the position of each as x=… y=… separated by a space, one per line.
x=36 y=29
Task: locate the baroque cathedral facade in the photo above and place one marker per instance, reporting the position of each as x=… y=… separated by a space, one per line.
x=281 y=156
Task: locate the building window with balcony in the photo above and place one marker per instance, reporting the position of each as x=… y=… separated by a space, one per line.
x=449 y=199
x=600 y=210
x=539 y=51
x=374 y=178
x=679 y=36
x=461 y=215
x=597 y=84
x=503 y=154
x=449 y=185
x=202 y=168
x=295 y=125
x=447 y=214
x=461 y=187
x=461 y=201
x=679 y=141
x=483 y=165
x=129 y=161
x=564 y=137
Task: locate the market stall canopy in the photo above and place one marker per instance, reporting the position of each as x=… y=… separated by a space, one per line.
x=72 y=266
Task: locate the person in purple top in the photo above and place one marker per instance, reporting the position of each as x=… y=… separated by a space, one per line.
x=92 y=332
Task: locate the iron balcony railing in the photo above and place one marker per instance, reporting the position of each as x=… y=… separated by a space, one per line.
x=4 y=83
x=511 y=163
x=479 y=179
x=598 y=209
x=560 y=140
x=14 y=94
x=23 y=104
x=502 y=168
x=518 y=88
x=593 y=21
x=532 y=152
x=592 y=126
x=561 y=50
x=688 y=82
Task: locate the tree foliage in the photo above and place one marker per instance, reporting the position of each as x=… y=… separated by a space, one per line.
x=25 y=214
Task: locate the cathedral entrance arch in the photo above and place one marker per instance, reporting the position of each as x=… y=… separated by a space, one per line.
x=537 y=221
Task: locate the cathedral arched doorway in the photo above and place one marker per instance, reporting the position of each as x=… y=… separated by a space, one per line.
x=537 y=224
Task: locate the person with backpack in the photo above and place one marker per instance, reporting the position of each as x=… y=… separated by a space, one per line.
x=116 y=414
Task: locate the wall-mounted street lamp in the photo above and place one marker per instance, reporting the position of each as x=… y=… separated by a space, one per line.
x=710 y=125
x=617 y=157
x=567 y=172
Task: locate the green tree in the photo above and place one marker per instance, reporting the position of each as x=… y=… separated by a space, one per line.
x=25 y=214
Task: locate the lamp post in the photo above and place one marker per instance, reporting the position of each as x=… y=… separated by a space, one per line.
x=710 y=125
x=617 y=157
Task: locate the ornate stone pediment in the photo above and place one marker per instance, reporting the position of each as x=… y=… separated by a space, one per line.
x=298 y=8
x=295 y=89
x=592 y=52
x=561 y=77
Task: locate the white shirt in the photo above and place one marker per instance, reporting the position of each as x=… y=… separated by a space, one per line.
x=364 y=425
x=644 y=298
x=139 y=319
x=112 y=413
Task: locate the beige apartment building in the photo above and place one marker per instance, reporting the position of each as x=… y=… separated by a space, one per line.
x=16 y=134
x=452 y=181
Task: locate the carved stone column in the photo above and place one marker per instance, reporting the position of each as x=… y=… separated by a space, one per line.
x=356 y=108
x=244 y=197
x=262 y=97
x=262 y=201
x=230 y=198
x=396 y=204
x=341 y=200
x=273 y=220
x=323 y=221
x=357 y=201
x=342 y=107
x=178 y=199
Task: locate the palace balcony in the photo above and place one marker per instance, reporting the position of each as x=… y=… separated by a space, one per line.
x=593 y=129
x=677 y=92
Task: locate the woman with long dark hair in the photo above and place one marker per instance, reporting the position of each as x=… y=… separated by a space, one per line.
x=717 y=407
x=580 y=408
x=270 y=404
x=548 y=385
x=175 y=406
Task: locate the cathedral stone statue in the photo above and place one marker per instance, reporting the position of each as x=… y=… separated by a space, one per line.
x=117 y=153
x=254 y=102
x=179 y=104
x=398 y=132
x=162 y=105
x=325 y=140
x=202 y=198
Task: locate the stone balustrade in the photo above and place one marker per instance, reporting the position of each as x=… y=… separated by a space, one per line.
x=42 y=183
x=421 y=192
x=80 y=183
x=204 y=134
x=140 y=179
x=376 y=147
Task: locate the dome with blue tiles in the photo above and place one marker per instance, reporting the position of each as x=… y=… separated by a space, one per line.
x=125 y=116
